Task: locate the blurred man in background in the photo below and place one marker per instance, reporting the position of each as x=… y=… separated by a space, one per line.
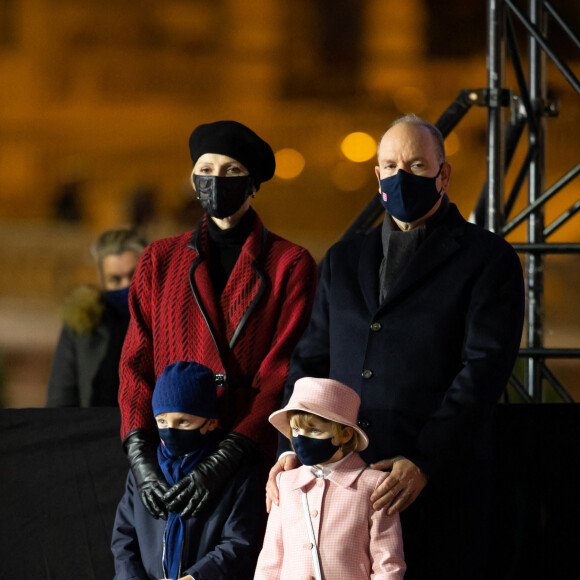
x=85 y=367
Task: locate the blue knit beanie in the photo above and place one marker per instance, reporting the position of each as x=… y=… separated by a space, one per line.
x=186 y=387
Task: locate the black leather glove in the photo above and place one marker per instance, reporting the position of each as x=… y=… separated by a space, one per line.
x=151 y=485
x=191 y=494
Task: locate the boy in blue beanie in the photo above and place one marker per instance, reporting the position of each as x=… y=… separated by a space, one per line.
x=221 y=543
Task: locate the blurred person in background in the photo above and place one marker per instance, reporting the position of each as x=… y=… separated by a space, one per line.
x=230 y=295
x=85 y=367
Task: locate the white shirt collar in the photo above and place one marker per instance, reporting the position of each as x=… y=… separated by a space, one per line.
x=326 y=469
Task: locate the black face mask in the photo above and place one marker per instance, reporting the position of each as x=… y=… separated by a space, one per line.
x=222 y=197
x=180 y=442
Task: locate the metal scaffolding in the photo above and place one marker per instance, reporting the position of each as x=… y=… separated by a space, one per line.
x=509 y=114
x=533 y=108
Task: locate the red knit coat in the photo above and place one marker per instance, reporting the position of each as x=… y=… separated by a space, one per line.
x=249 y=335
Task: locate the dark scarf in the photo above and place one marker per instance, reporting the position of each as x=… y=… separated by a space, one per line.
x=174 y=469
x=225 y=247
x=399 y=246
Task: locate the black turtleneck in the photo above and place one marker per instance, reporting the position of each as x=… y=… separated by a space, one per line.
x=225 y=247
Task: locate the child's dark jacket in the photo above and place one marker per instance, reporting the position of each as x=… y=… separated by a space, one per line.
x=221 y=544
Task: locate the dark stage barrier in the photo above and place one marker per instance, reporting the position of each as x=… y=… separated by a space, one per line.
x=63 y=471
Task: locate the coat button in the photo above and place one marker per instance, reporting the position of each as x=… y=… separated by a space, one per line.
x=367 y=374
x=376 y=326
x=363 y=423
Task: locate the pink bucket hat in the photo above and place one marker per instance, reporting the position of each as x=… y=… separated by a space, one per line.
x=326 y=398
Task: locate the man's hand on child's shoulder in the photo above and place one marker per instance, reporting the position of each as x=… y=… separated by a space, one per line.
x=286 y=462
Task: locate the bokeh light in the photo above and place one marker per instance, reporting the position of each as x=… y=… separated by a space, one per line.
x=358 y=147
x=289 y=163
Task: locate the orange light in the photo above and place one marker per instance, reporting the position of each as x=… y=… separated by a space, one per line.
x=289 y=163
x=358 y=147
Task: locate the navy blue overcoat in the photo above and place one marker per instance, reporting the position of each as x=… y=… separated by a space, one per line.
x=431 y=361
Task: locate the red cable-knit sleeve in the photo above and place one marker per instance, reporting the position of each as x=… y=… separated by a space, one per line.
x=136 y=370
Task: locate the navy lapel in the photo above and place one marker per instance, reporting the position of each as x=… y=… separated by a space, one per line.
x=371 y=256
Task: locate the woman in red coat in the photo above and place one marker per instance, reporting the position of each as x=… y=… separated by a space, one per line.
x=230 y=295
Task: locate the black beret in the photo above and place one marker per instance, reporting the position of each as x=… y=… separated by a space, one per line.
x=238 y=142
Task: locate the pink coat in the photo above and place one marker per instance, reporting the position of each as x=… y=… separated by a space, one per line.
x=354 y=541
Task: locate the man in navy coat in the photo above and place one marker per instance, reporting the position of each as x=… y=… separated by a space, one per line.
x=423 y=316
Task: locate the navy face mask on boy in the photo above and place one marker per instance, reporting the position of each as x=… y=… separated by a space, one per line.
x=408 y=197
x=312 y=451
x=222 y=197
x=180 y=442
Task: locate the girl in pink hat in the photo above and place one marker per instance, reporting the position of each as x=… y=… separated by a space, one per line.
x=324 y=526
